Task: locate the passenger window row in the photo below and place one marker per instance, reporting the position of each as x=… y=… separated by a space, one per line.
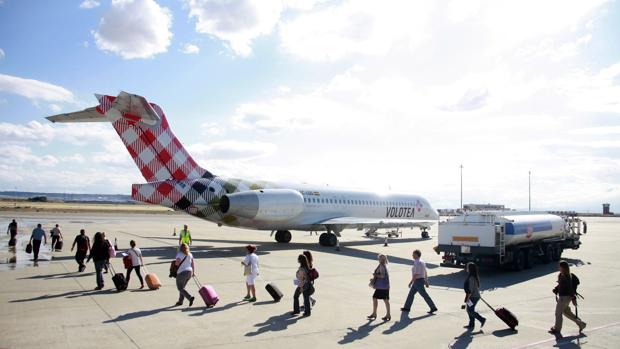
x=313 y=200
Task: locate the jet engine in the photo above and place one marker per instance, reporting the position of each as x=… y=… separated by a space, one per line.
x=265 y=204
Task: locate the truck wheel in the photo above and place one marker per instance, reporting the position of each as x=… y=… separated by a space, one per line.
x=528 y=262
x=548 y=256
x=557 y=253
x=519 y=260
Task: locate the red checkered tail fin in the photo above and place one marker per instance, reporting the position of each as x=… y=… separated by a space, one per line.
x=144 y=130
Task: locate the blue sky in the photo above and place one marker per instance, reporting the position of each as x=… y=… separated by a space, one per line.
x=361 y=93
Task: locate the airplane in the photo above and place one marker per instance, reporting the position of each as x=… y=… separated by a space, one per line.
x=175 y=180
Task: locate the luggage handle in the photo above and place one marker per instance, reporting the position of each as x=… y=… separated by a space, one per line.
x=197 y=281
x=485 y=302
x=112 y=268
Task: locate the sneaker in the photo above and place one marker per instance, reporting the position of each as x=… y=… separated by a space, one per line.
x=178 y=304
x=247 y=298
x=253 y=299
x=432 y=311
x=406 y=310
x=191 y=301
x=141 y=287
x=482 y=322
x=98 y=288
x=306 y=315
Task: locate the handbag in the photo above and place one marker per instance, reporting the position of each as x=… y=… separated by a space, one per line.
x=174 y=268
x=29 y=248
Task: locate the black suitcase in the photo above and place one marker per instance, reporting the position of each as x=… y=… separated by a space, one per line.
x=29 y=248
x=119 y=280
x=505 y=315
x=274 y=291
x=58 y=246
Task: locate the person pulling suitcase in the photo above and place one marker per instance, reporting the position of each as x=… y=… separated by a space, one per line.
x=566 y=293
x=186 y=268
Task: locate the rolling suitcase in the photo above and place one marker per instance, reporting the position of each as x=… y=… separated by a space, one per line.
x=119 y=280
x=152 y=281
x=58 y=246
x=505 y=315
x=207 y=293
x=274 y=291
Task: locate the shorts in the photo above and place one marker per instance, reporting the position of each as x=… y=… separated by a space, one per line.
x=249 y=279
x=382 y=294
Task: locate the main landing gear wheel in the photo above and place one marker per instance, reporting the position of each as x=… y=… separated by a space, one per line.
x=283 y=236
x=328 y=239
x=424 y=234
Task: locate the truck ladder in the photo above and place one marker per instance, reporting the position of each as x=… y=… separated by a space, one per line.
x=502 y=244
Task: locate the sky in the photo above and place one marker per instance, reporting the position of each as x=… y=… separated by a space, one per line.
x=389 y=96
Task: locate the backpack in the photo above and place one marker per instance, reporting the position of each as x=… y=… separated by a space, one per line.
x=575 y=282
x=313 y=274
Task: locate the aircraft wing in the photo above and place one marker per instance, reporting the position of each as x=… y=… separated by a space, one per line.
x=377 y=222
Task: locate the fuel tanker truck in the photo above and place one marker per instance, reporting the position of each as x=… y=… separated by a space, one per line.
x=507 y=238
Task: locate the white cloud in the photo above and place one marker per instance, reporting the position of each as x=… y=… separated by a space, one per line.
x=236 y=22
x=55 y=107
x=17 y=155
x=88 y=4
x=34 y=131
x=212 y=129
x=190 y=49
x=2 y=55
x=135 y=29
x=231 y=150
x=34 y=89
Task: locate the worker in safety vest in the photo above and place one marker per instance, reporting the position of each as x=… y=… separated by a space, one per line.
x=185 y=237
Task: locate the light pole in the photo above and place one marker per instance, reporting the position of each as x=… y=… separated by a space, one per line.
x=461 y=187
x=529 y=190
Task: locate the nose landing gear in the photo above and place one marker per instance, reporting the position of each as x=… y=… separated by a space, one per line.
x=283 y=236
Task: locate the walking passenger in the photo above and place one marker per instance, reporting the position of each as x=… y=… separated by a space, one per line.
x=83 y=247
x=472 y=296
x=99 y=255
x=12 y=229
x=185 y=237
x=110 y=252
x=381 y=283
x=38 y=234
x=186 y=269
x=250 y=270
x=313 y=272
x=304 y=286
x=419 y=280
x=136 y=262
x=566 y=292
x=56 y=236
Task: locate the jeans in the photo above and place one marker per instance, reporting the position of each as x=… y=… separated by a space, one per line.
x=563 y=308
x=99 y=265
x=418 y=287
x=36 y=246
x=79 y=258
x=306 y=295
x=55 y=239
x=182 y=279
x=137 y=269
x=471 y=312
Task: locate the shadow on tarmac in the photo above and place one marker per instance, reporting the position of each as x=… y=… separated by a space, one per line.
x=464 y=339
x=404 y=321
x=70 y=294
x=264 y=248
x=356 y=334
x=274 y=323
x=491 y=279
x=139 y=314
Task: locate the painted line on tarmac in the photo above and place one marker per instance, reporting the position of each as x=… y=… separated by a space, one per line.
x=564 y=342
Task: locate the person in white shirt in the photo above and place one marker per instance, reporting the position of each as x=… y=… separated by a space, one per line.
x=56 y=236
x=136 y=262
x=419 y=280
x=250 y=270
x=185 y=271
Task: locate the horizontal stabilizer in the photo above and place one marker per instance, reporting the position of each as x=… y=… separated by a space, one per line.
x=86 y=115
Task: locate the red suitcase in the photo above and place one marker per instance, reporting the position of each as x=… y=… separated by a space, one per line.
x=505 y=315
x=207 y=293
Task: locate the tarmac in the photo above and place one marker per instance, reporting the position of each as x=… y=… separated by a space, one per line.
x=53 y=306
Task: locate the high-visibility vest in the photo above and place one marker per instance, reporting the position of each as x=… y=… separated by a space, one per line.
x=185 y=236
